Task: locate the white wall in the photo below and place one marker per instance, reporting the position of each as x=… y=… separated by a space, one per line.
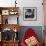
x=27 y=3
x=38 y=5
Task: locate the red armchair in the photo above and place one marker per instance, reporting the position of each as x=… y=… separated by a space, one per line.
x=28 y=35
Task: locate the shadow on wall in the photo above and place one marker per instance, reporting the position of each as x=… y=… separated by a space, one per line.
x=37 y=29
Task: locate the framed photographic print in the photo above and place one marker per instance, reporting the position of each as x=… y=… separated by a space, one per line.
x=13 y=12
x=30 y=13
x=5 y=12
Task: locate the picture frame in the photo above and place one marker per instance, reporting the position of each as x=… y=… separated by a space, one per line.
x=30 y=13
x=5 y=12
x=12 y=12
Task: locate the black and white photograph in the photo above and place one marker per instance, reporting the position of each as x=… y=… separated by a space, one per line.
x=30 y=13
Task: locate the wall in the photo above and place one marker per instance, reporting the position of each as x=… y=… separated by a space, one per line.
x=38 y=5
x=27 y=3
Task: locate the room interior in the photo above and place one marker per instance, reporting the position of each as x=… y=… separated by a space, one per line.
x=17 y=16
